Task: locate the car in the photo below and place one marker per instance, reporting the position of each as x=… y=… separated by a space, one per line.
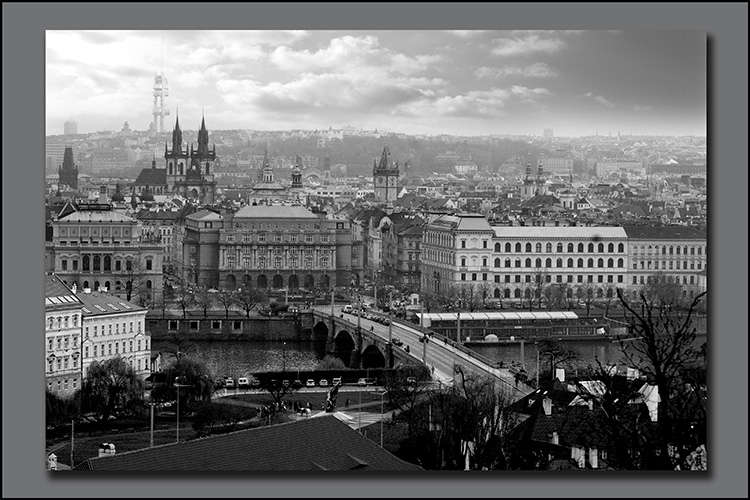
x=229 y=382
x=254 y=382
x=362 y=382
x=397 y=341
x=310 y=383
x=347 y=308
x=297 y=383
x=243 y=383
x=337 y=380
x=323 y=383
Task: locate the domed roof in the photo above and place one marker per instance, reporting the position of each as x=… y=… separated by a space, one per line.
x=296 y=170
x=491 y=338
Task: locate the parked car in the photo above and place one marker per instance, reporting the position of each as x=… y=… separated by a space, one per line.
x=347 y=308
x=366 y=381
x=323 y=383
x=310 y=383
x=243 y=383
x=229 y=382
x=297 y=384
x=397 y=341
x=337 y=380
x=254 y=382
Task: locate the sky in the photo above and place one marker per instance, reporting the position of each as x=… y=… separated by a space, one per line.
x=643 y=82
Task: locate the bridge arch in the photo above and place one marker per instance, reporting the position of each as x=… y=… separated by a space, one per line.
x=320 y=331
x=372 y=357
x=344 y=346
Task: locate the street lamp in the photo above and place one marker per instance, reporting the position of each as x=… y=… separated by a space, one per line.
x=283 y=356
x=381 y=394
x=178 y=385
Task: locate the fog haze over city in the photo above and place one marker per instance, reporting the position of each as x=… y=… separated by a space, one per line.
x=413 y=82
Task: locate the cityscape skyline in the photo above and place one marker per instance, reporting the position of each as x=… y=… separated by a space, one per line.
x=430 y=82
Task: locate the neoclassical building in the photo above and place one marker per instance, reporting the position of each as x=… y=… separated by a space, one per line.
x=62 y=334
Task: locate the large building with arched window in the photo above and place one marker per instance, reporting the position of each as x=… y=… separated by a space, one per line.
x=97 y=247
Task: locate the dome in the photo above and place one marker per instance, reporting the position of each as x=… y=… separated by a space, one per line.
x=296 y=170
x=490 y=338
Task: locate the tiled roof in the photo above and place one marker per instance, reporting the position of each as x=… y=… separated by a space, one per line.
x=97 y=216
x=274 y=211
x=151 y=177
x=99 y=304
x=58 y=296
x=558 y=232
x=304 y=445
x=664 y=233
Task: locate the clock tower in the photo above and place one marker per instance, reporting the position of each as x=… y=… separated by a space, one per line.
x=385 y=177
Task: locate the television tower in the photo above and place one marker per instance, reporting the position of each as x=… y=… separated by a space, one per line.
x=161 y=90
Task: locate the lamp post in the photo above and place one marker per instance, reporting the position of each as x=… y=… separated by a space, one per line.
x=151 y=439
x=178 y=385
x=381 y=394
x=283 y=357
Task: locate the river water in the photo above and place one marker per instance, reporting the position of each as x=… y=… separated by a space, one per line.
x=238 y=358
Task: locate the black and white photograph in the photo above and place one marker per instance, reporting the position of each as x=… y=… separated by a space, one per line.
x=376 y=250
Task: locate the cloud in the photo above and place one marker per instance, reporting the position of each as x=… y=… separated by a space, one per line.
x=530 y=96
x=525 y=45
x=642 y=108
x=599 y=99
x=467 y=33
x=536 y=70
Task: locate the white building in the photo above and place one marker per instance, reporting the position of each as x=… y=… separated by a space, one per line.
x=62 y=319
x=112 y=328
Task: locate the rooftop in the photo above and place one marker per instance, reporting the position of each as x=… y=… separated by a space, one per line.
x=275 y=212
x=99 y=304
x=559 y=232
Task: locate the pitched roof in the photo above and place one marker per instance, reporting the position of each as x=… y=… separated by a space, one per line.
x=323 y=443
x=275 y=212
x=558 y=232
x=96 y=216
x=664 y=233
x=100 y=304
x=151 y=177
x=58 y=296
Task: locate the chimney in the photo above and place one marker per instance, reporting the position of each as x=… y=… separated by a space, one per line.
x=555 y=437
x=547 y=405
x=74 y=288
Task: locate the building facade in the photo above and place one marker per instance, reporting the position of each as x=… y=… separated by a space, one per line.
x=114 y=328
x=98 y=247
x=68 y=171
x=63 y=323
x=283 y=246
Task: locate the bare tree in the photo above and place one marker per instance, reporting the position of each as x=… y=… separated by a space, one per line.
x=469 y=296
x=184 y=298
x=248 y=298
x=204 y=299
x=540 y=284
x=586 y=293
x=666 y=333
x=558 y=354
x=610 y=295
x=484 y=291
x=227 y=298
x=447 y=297
x=133 y=276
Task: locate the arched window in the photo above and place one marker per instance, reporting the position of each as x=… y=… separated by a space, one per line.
x=549 y=247
x=600 y=263
x=96 y=285
x=559 y=263
x=649 y=250
x=497 y=262
x=86 y=263
x=610 y=262
x=538 y=248
x=507 y=248
x=86 y=284
x=497 y=247
x=619 y=262
x=107 y=263
x=570 y=262
x=580 y=248
x=97 y=263
x=528 y=262
x=527 y=293
x=496 y=293
x=106 y=285
x=506 y=293
x=678 y=250
x=528 y=247
x=611 y=247
x=590 y=263
x=548 y=263
x=610 y=293
x=601 y=247
x=538 y=262
x=517 y=293
x=570 y=248
x=518 y=247
x=507 y=262
x=664 y=250
x=559 y=248
x=591 y=248
x=463 y=261
x=620 y=247
x=148 y=284
x=580 y=262
x=518 y=262
x=599 y=293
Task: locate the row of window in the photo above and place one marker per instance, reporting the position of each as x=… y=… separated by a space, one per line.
x=673 y=250
x=98 y=348
x=62 y=385
x=560 y=248
x=670 y=279
x=558 y=278
x=60 y=322
x=278 y=250
x=94 y=231
x=100 y=264
x=62 y=363
x=547 y=263
x=139 y=326
x=62 y=341
x=195 y=325
x=277 y=238
x=672 y=265
x=278 y=263
x=118 y=284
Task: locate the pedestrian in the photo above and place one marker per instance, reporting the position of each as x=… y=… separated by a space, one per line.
x=346 y=403
x=372 y=328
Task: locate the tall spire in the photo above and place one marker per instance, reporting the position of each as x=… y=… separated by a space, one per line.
x=385 y=158
x=177 y=135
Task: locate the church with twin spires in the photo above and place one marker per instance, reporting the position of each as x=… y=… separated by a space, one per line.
x=188 y=172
